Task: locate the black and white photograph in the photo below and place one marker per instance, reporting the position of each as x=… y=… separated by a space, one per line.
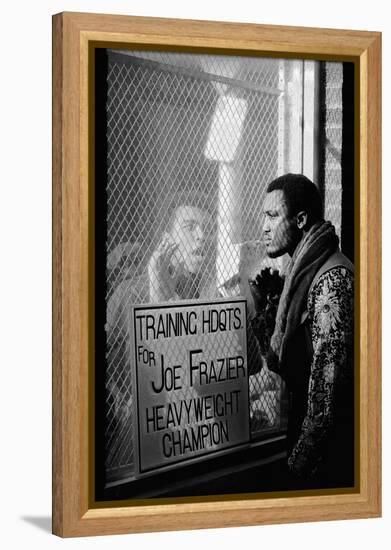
x=224 y=274
x=194 y=242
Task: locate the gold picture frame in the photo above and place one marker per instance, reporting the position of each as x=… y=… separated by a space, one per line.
x=75 y=35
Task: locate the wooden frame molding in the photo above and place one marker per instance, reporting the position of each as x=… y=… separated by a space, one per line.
x=74 y=512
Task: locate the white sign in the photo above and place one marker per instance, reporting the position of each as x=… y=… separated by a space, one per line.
x=190 y=378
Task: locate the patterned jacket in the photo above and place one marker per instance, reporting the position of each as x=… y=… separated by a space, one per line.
x=320 y=421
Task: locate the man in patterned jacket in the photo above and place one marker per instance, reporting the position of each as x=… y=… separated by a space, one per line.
x=311 y=346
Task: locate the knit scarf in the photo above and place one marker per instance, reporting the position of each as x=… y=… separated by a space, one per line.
x=311 y=253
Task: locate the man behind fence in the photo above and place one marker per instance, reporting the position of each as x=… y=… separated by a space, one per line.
x=311 y=344
x=177 y=270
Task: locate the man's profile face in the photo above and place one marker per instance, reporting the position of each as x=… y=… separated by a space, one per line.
x=189 y=235
x=280 y=233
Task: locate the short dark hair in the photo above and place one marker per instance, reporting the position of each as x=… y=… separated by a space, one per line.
x=300 y=194
x=184 y=198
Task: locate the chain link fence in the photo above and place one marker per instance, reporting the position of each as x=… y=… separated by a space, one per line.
x=192 y=141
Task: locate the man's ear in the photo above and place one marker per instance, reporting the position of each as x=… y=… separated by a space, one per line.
x=301 y=219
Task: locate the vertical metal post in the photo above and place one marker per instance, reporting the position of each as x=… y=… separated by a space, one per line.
x=310 y=128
